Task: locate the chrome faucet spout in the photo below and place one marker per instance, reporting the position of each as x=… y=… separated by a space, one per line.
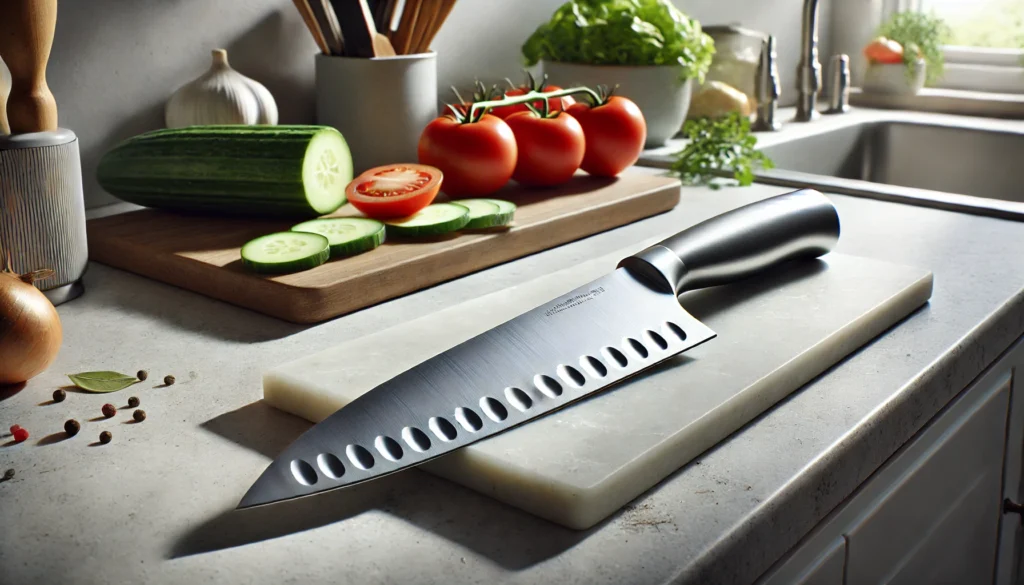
x=809 y=68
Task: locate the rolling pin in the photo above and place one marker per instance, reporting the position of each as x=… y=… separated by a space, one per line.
x=26 y=36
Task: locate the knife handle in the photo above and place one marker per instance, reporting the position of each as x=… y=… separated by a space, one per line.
x=740 y=243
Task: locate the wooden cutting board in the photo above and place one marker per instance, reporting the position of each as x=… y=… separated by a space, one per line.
x=581 y=464
x=202 y=253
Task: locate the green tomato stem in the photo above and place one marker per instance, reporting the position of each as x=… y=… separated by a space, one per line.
x=530 y=96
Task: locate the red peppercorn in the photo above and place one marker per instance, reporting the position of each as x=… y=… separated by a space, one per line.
x=14 y=428
x=109 y=410
x=20 y=435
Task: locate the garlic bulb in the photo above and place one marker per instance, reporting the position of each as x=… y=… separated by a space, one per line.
x=220 y=96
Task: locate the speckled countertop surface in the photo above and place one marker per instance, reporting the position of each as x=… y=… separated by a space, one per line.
x=155 y=506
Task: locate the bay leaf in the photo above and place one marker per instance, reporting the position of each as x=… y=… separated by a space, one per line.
x=102 y=381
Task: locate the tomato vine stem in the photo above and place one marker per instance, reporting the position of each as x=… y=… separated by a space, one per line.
x=478 y=109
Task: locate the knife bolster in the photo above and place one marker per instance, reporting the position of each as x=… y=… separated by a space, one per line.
x=657 y=266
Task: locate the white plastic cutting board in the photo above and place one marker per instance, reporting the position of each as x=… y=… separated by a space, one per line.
x=579 y=465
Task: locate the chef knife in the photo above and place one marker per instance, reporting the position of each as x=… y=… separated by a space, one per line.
x=549 y=357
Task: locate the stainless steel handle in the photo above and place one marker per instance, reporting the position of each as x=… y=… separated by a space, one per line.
x=741 y=243
x=839 y=89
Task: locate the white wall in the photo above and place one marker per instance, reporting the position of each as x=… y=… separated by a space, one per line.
x=115 y=62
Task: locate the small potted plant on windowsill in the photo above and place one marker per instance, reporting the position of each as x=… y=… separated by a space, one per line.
x=907 y=53
x=649 y=49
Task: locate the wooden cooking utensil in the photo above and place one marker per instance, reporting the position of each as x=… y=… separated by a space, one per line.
x=26 y=36
x=402 y=40
x=383 y=14
x=359 y=30
x=428 y=14
x=435 y=26
x=328 y=21
x=311 y=24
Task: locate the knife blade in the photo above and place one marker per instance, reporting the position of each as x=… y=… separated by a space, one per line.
x=549 y=357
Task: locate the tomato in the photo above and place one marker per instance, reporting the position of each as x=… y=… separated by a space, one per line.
x=394 y=190
x=477 y=158
x=550 y=148
x=554 y=104
x=615 y=132
x=883 y=50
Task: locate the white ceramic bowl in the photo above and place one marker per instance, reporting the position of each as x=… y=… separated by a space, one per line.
x=660 y=92
x=892 y=78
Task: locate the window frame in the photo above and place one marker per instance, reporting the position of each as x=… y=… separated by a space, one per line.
x=981 y=69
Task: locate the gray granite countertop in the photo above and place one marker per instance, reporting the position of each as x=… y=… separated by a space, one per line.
x=155 y=506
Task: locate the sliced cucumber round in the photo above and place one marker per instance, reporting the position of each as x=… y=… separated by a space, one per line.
x=432 y=220
x=487 y=213
x=346 y=235
x=285 y=252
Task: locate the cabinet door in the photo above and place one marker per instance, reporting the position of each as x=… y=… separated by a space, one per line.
x=939 y=521
x=1010 y=533
x=816 y=563
x=930 y=514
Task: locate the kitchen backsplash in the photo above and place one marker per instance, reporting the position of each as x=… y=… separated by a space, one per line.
x=115 y=62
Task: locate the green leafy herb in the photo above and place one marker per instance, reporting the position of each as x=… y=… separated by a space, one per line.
x=622 y=32
x=102 y=381
x=922 y=36
x=716 y=147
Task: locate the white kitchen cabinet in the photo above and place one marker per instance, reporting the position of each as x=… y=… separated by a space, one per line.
x=933 y=513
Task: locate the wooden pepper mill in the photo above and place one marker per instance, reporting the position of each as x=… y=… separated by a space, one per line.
x=26 y=35
x=42 y=211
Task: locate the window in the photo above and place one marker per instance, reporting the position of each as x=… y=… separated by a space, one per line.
x=986 y=52
x=997 y=24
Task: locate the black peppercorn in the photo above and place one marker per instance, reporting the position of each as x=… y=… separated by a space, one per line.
x=72 y=427
x=109 y=410
x=105 y=437
x=59 y=395
x=139 y=415
x=168 y=380
x=133 y=402
x=8 y=475
x=142 y=375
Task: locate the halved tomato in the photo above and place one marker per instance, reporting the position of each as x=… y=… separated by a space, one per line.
x=397 y=190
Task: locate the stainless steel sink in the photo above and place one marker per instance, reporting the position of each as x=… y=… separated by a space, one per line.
x=971 y=169
x=962 y=163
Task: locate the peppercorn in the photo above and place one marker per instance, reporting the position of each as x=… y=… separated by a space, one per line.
x=105 y=437
x=8 y=475
x=133 y=402
x=20 y=435
x=14 y=428
x=72 y=427
x=168 y=380
x=59 y=395
x=139 y=415
x=109 y=410
x=142 y=375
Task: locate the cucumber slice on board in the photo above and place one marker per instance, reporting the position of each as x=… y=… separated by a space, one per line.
x=346 y=235
x=487 y=213
x=285 y=252
x=432 y=220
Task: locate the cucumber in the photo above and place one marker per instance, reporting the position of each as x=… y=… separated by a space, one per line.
x=487 y=213
x=346 y=235
x=285 y=252
x=272 y=171
x=432 y=220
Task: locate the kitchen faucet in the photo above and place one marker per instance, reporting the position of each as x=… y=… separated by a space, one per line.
x=809 y=70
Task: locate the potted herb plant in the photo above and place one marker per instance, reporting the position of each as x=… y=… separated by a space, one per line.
x=907 y=53
x=649 y=49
